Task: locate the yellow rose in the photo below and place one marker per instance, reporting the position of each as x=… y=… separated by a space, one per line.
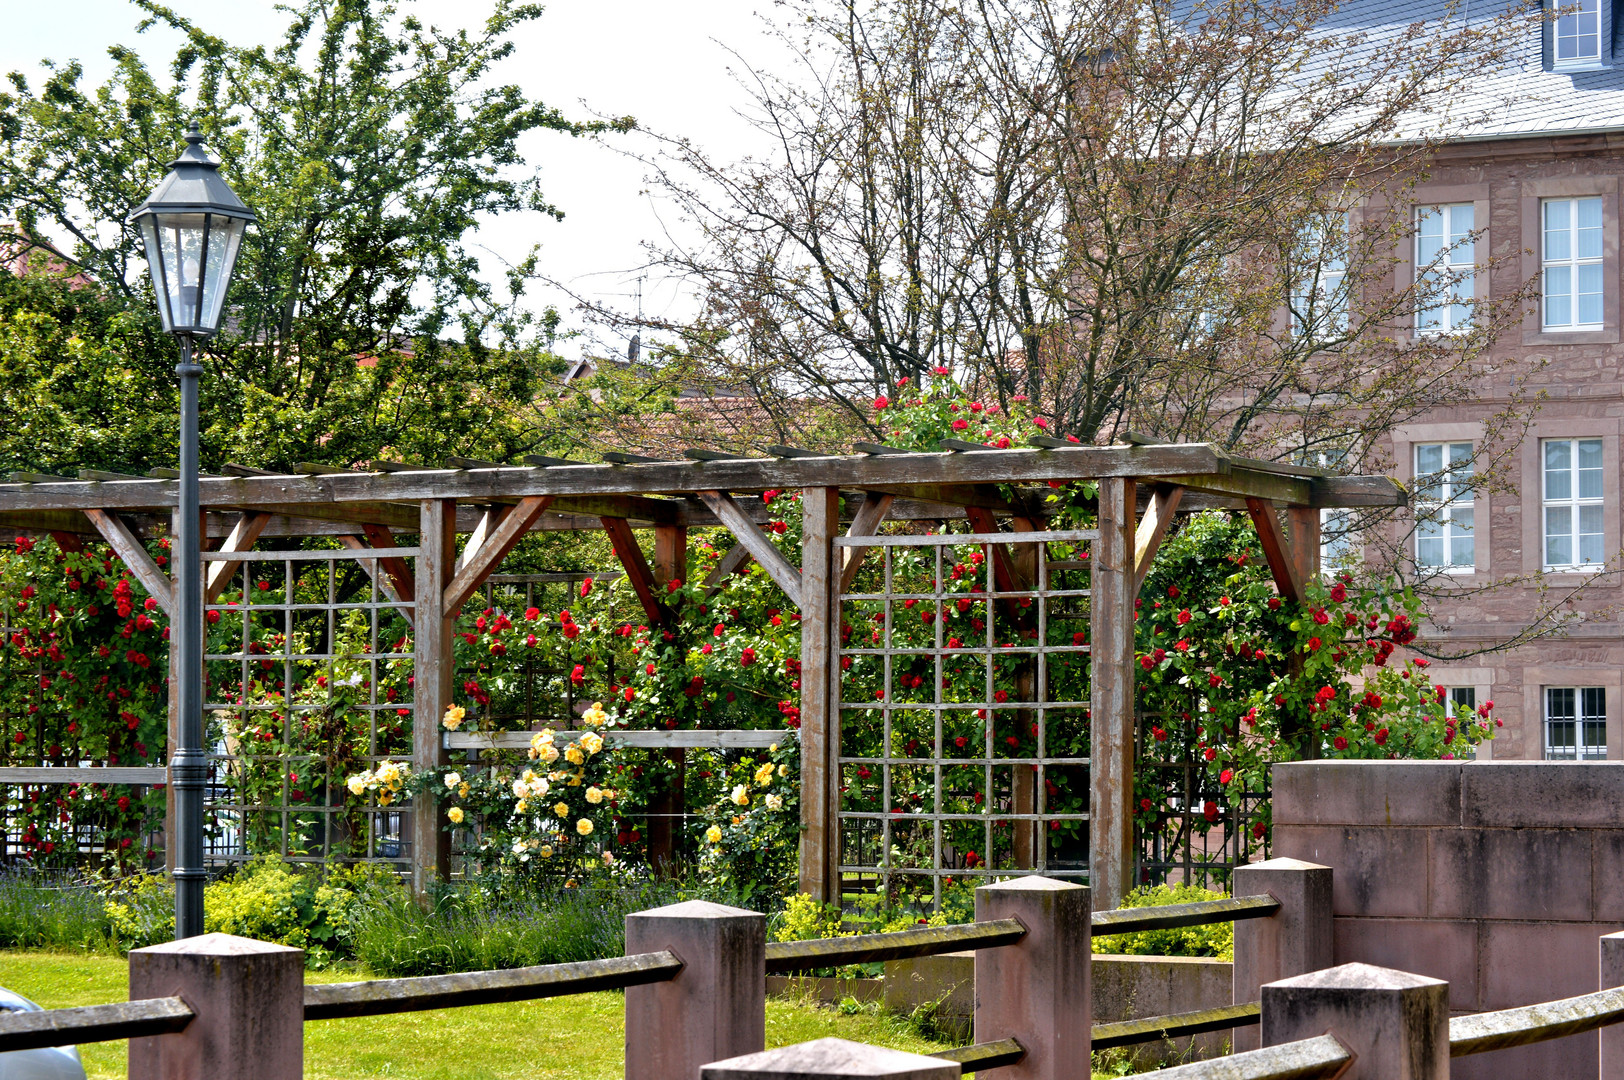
x=385 y=799
x=584 y=827
x=714 y=834
x=455 y=814
x=594 y=795
x=358 y=783
x=595 y=716
x=592 y=741
x=574 y=756
x=452 y=779
x=522 y=806
x=775 y=802
x=453 y=717
x=783 y=770
x=741 y=795
x=462 y=790
x=764 y=775
x=549 y=753
x=773 y=749
x=561 y=809
x=546 y=851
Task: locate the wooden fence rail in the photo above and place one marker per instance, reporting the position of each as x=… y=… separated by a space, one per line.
x=786 y=957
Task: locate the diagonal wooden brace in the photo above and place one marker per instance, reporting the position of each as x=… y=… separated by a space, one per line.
x=733 y=562
x=1277 y=549
x=1164 y=503
x=385 y=580
x=729 y=513
x=484 y=561
x=400 y=574
x=246 y=530
x=631 y=557
x=866 y=523
x=128 y=548
x=489 y=521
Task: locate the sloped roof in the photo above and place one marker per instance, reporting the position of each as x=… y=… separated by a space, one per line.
x=1516 y=98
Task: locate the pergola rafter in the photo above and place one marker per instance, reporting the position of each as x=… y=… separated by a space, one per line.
x=498 y=504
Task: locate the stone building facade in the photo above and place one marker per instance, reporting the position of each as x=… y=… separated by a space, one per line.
x=1539 y=188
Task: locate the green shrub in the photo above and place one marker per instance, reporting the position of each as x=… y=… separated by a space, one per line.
x=1214 y=939
x=474 y=928
x=265 y=899
x=43 y=913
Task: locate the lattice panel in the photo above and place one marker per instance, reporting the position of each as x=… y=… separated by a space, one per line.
x=964 y=723
x=308 y=680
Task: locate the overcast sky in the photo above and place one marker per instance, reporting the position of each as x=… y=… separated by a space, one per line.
x=661 y=62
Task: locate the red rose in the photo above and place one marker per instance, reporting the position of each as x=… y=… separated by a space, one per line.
x=630 y=694
x=1210 y=811
x=1184 y=616
x=747 y=657
x=586 y=586
x=1340 y=743
x=1274 y=603
x=881 y=402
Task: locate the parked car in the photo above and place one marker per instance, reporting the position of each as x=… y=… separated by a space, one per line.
x=48 y=1063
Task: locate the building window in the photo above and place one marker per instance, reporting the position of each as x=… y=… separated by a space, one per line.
x=1445 y=266
x=1319 y=299
x=1572 y=256
x=1463 y=697
x=1573 y=503
x=1443 y=474
x=1339 y=544
x=1576 y=39
x=1575 y=723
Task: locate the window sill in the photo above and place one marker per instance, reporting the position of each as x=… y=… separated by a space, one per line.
x=1572 y=66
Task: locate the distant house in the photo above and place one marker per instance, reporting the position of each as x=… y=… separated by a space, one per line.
x=21 y=254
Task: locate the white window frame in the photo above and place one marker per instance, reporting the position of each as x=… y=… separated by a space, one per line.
x=1321 y=290
x=1571 y=263
x=1445 y=266
x=1574 y=503
x=1580 y=22
x=1440 y=504
x=1578 y=706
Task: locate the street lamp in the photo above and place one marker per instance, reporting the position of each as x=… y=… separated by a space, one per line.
x=192 y=225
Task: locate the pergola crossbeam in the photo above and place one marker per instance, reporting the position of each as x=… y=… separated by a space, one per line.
x=128 y=548
x=488 y=555
x=247 y=529
x=784 y=574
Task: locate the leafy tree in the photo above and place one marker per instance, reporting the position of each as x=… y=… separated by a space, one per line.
x=371 y=146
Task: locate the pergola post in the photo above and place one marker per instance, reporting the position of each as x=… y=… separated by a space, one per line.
x=664 y=824
x=433 y=676
x=1110 y=805
x=820 y=694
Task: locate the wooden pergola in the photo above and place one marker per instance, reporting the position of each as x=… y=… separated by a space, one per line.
x=495 y=505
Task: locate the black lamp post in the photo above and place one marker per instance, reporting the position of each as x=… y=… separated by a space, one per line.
x=192 y=225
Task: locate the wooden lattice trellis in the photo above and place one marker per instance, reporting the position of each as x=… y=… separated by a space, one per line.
x=495 y=505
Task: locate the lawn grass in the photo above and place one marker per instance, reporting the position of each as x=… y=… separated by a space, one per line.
x=571 y=1038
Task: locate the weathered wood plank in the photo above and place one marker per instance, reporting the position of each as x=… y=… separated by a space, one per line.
x=731 y=563
x=385 y=583
x=128 y=548
x=643 y=740
x=1277 y=549
x=507 y=532
x=22 y=774
x=399 y=571
x=244 y=533
x=748 y=533
x=1164 y=503
x=434 y=674
x=377 y=997
x=1247 y=484
x=1111 y=850
x=870 y=515
x=93 y=1023
x=855 y=471
x=489 y=519
x=668 y=803
x=1304 y=530
x=820 y=695
x=631 y=557
x=348 y=513
x=1354 y=491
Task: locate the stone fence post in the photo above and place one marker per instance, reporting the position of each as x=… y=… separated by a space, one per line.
x=832 y=1059
x=1396 y=1023
x=1293 y=941
x=1612 y=1036
x=715 y=1008
x=1037 y=990
x=249 y=999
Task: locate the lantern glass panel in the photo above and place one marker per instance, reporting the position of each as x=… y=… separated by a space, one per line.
x=191 y=257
